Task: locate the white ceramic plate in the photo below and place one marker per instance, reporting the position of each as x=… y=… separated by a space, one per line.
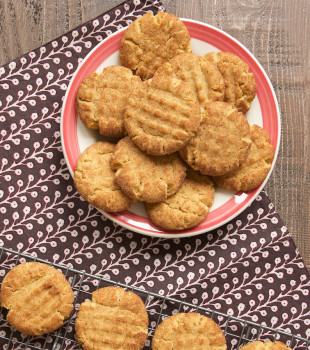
x=264 y=112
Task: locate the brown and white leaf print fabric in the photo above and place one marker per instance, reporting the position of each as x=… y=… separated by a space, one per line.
x=249 y=268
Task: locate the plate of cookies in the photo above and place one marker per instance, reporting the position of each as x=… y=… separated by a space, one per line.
x=170 y=127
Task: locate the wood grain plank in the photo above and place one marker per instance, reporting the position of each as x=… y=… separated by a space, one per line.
x=276 y=32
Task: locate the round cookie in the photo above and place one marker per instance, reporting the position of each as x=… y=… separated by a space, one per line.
x=185 y=331
x=38 y=296
x=101 y=99
x=152 y=40
x=113 y=319
x=143 y=177
x=188 y=207
x=240 y=85
x=222 y=142
x=202 y=75
x=94 y=179
x=162 y=115
x=256 y=167
x=268 y=345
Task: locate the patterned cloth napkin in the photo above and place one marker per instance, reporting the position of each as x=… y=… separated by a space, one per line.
x=249 y=268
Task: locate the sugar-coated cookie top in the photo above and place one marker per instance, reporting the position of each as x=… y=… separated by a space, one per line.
x=152 y=40
x=144 y=177
x=240 y=85
x=203 y=76
x=94 y=178
x=38 y=297
x=222 y=141
x=185 y=331
x=162 y=115
x=253 y=171
x=113 y=319
x=188 y=207
x=101 y=99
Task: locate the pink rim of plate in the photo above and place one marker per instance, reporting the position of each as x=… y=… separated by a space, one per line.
x=270 y=115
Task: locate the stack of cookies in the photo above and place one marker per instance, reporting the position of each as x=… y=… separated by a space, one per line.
x=179 y=123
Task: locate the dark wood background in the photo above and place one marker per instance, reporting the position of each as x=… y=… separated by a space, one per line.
x=276 y=32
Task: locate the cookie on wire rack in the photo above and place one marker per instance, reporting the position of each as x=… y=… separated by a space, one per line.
x=185 y=331
x=152 y=40
x=113 y=319
x=38 y=296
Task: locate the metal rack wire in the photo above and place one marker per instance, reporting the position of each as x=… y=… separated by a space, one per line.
x=237 y=331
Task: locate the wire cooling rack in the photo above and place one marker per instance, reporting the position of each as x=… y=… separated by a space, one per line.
x=238 y=332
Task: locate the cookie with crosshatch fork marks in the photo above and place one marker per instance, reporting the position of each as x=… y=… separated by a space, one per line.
x=152 y=40
x=102 y=97
x=240 y=85
x=144 y=177
x=222 y=141
x=188 y=207
x=162 y=115
x=113 y=319
x=256 y=167
x=184 y=331
x=38 y=296
x=94 y=178
x=202 y=75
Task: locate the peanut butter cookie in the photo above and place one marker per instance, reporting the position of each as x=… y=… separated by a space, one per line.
x=101 y=99
x=113 y=319
x=202 y=75
x=38 y=296
x=163 y=114
x=222 y=142
x=94 y=179
x=188 y=207
x=254 y=170
x=152 y=40
x=143 y=177
x=185 y=331
x=268 y=345
x=240 y=85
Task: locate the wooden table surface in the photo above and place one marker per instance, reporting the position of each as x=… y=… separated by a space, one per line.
x=276 y=32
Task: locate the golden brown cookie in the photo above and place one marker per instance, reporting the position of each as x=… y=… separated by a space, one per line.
x=163 y=114
x=222 y=142
x=188 y=207
x=113 y=319
x=202 y=75
x=94 y=178
x=268 y=345
x=38 y=296
x=240 y=85
x=143 y=177
x=185 y=331
x=152 y=40
x=254 y=170
x=102 y=98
